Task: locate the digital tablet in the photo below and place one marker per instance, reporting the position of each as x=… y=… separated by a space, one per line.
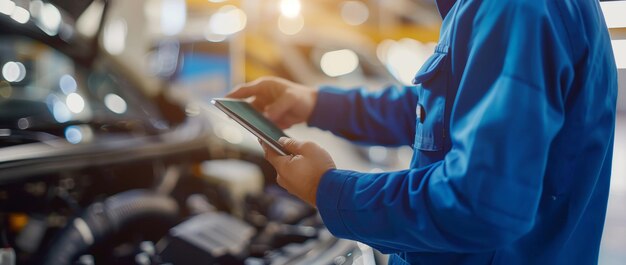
x=243 y=113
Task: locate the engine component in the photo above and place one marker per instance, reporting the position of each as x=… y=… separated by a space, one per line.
x=277 y=235
x=7 y=256
x=103 y=219
x=85 y=260
x=210 y=238
x=240 y=177
x=276 y=205
x=30 y=236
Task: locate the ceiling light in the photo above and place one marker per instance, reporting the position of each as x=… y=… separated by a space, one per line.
x=290 y=8
x=338 y=63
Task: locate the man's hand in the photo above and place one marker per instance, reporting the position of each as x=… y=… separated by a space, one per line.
x=283 y=102
x=301 y=172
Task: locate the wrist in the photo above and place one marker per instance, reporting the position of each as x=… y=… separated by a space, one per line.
x=311 y=104
x=315 y=187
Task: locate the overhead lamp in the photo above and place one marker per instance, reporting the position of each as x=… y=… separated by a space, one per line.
x=290 y=8
x=340 y=62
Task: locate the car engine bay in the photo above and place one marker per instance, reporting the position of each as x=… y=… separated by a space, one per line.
x=131 y=214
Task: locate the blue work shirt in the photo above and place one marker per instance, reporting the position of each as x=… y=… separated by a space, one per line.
x=512 y=124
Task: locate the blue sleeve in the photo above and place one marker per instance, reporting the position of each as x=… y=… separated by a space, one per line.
x=385 y=117
x=486 y=190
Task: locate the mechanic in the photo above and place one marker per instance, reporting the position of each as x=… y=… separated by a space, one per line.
x=511 y=121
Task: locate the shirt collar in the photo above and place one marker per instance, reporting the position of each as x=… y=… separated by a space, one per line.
x=444 y=6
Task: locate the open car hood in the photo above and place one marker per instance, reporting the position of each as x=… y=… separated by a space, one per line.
x=82 y=49
x=74 y=8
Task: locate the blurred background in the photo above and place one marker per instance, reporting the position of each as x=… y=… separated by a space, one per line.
x=125 y=86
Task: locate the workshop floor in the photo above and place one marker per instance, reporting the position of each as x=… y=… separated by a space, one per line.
x=613 y=250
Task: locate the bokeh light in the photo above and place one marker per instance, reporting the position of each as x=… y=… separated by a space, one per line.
x=290 y=8
x=115 y=32
x=290 y=26
x=20 y=15
x=13 y=71
x=354 y=12
x=73 y=134
x=227 y=20
x=115 y=103
x=340 y=62
x=75 y=103
x=67 y=83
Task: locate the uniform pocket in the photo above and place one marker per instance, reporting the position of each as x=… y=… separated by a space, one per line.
x=430 y=68
x=432 y=83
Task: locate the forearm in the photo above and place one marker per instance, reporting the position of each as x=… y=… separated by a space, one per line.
x=417 y=210
x=386 y=117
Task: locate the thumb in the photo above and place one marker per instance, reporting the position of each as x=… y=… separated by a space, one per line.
x=291 y=145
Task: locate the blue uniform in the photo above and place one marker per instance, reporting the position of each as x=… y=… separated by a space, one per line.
x=512 y=124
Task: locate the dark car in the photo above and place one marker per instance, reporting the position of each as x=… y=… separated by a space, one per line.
x=93 y=171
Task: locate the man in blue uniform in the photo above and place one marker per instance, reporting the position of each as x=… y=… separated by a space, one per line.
x=511 y=121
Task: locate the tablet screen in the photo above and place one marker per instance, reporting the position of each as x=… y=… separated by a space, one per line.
x=253 y=118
